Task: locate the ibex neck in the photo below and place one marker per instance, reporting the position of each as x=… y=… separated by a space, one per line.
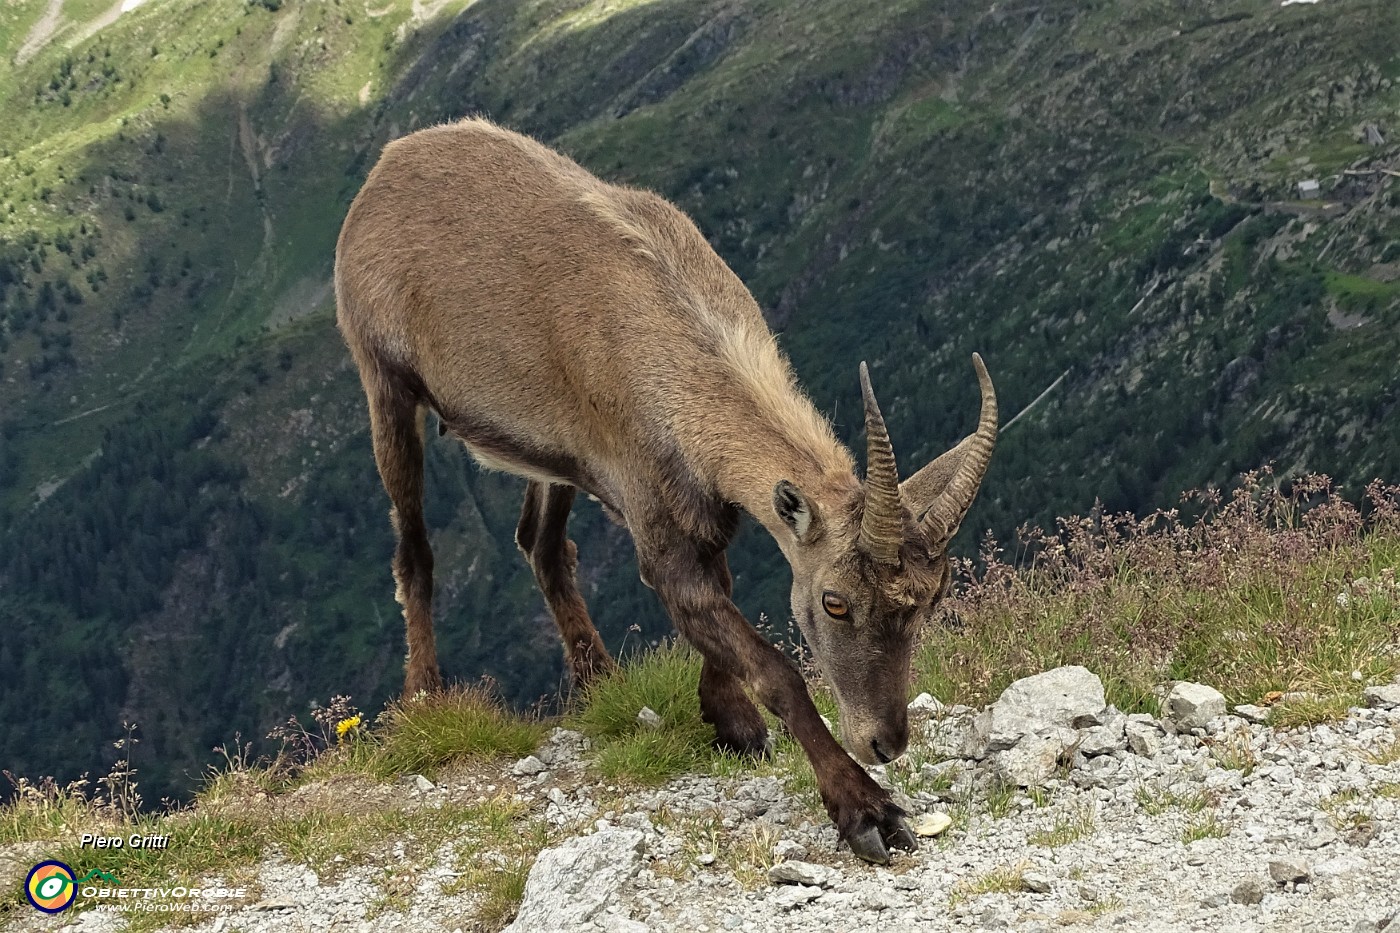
x=759 y=458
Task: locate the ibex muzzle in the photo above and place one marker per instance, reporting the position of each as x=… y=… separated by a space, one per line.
x=585 y=336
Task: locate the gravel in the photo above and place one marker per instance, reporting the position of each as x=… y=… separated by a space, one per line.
x=1153 y=834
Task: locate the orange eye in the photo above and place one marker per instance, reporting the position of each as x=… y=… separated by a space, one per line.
x=834 y=605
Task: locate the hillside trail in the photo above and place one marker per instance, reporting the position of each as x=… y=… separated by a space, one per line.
x=41 y=32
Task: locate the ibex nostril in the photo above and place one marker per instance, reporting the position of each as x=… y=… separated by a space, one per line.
x=880 y=753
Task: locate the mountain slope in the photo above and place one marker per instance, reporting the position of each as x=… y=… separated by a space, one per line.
x=1101 y=198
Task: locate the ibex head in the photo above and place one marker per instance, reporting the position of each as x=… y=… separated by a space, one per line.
x=866 y=573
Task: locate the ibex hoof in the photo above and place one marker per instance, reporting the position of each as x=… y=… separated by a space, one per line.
x=757 y=747
x=873 y=840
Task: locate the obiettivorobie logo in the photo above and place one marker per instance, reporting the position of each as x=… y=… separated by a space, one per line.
x=51 y=887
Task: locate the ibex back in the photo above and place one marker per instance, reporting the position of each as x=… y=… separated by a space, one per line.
x=585 y=336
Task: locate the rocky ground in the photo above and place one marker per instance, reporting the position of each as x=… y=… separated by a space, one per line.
x=1060 y=811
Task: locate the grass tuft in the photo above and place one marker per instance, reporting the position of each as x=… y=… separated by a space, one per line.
x=1204 y=826
x=1066 y=828
x=1386 y=753
x=1004 y=879
x=667 y=681
x=1235 y=751
x=465 y=723
x=1156 y=799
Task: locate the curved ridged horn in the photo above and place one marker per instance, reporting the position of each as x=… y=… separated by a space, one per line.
x=882 y=525
x=946 y=512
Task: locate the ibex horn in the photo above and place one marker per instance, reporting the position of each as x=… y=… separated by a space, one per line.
x=947 y=511
x=881 y=527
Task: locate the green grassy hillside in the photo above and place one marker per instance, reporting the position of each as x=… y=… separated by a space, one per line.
x=1100 y=197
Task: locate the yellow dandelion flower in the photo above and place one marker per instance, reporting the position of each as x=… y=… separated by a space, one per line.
x=345 y=725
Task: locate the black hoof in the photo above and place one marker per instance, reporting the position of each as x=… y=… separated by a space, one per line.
x=756 y=747
x=873 y=840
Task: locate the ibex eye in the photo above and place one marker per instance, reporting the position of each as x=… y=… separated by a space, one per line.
x=834 y=605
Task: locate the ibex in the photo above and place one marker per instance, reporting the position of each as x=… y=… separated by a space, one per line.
x=585 y=336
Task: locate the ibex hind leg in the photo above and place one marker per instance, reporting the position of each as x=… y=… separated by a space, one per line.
x=543 y=539
x=396 y=424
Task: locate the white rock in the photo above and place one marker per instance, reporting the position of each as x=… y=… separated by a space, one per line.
x=802 y=873
x=1251 y=713
x=789 y=849
x=1387 y=697
x=1036 y=883
x=791 y=896
x=527 y=766
x=649 y=718
x=1107 y=738
x=1067 y=698
x=422 y=784
x=1030 y=763
x=930 y=824
x=1144 y=739
x=1285 y=870
x=1191 y=706
x=925 y=703
x=571 y=883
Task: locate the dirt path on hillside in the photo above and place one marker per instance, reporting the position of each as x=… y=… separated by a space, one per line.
x=41 y=32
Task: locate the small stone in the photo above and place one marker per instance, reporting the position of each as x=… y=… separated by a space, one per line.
x=1259 y=715
x=789 y=849
x=1249 y=891
x=1144 y=739
x=931 y=824
x=422 y=784
x=275 y=903
x=882 y=900
x=1284 y=870
x=801 y=873
x=527 y=766
x=925 y=703
x=1030 y=763
x=790 y=897
x=1036 y=883
x=1107 y=738
x=705 y=858
x=1387 y=697
x=1190 y=706
x=648 y=717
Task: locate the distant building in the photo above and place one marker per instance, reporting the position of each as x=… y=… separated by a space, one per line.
x=1309 y=189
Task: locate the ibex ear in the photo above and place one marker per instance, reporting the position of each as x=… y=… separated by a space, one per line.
x=795 y=511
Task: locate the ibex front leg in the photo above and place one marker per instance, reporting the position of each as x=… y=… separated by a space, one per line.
x=692 y=589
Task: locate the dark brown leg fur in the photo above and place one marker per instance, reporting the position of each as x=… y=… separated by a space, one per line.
x=542 y=538
x=739 y=727
x=396 y=425
x=693 y=589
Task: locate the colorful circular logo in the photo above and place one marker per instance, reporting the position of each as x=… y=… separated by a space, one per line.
x=50 y=887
